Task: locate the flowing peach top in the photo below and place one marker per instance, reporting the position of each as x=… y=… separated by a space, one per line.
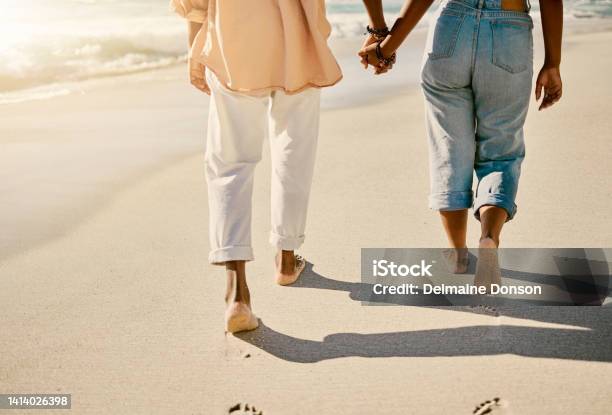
x=257 y=45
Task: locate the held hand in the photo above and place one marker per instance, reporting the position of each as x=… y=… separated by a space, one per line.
x=368 y=54
x=549 y=79
x=369 y=40
x=196 y=76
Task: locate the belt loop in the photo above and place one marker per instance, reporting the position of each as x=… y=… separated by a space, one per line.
x=528 y=5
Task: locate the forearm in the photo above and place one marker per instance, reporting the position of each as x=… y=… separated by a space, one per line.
x=552 y=27
x=193 y=28
x=375 y=11
x=411 y=14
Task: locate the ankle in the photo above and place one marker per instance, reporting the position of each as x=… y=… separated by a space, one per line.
x=236 y=303
x=286 y=261
x=237 y=290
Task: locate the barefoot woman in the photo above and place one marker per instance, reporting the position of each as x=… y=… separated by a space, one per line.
x=262 y=63
x=476 y=78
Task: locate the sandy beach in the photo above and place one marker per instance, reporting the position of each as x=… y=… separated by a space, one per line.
x=107 y=294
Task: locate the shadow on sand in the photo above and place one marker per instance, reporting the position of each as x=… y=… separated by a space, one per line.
x=590 y=341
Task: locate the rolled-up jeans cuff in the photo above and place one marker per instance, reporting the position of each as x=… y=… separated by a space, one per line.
x=498 y=200
x=287 y=243
x=230 y=253
x=450 y=200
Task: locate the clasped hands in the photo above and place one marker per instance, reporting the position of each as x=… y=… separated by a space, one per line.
x=372 y=52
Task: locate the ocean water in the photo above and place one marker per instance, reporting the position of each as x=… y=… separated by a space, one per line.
x=49 y=44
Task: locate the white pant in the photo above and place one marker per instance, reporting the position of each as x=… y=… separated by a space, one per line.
x=237 y=125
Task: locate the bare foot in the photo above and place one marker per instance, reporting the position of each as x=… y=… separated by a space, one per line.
x=239 y=317
x=457 y=260
x=238 y=313
x=487 y=267
x=288 y=267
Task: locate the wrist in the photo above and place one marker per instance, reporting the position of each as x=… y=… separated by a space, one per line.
x=386 y=60
x=551 y=63
x=378 y=33
x=386 y=47
x=378 y=24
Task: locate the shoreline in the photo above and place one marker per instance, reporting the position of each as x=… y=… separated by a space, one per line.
x=343 y=47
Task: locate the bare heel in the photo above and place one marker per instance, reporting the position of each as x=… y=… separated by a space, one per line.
x=239 y=317
x=487 y=267
x=288 y=279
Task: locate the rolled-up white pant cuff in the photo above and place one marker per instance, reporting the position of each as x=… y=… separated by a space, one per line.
x=286 y=243
x=230 y=253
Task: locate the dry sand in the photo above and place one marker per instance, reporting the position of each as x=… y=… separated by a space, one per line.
x=112 y=300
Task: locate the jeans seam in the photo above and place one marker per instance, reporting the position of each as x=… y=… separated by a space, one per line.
x=475 y=41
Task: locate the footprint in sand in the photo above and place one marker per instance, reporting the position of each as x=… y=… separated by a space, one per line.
x=496 y=406
x=485 y=309
x=244 y=409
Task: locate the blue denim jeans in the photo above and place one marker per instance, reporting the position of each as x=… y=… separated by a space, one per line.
x=476 y=78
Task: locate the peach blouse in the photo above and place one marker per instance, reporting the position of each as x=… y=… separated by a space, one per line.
x=257 y=45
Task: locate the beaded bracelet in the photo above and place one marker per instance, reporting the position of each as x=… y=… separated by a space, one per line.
x=381 y=57
x=378 y=33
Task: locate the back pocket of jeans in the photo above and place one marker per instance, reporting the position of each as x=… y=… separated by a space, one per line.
x=446 y=33
x=512 y=45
